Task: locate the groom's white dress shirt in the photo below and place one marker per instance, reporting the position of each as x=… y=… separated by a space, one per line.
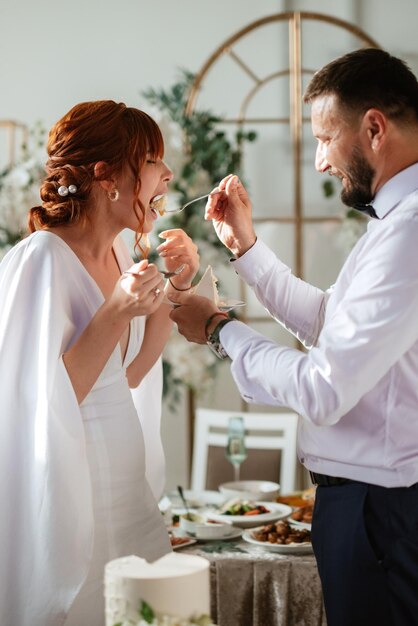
x=356 y=388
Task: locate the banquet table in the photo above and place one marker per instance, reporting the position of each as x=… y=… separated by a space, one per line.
x=252 y=586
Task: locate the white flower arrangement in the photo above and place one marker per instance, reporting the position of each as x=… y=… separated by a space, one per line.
x=200 y=154
x=19 y=189
x=192 y=364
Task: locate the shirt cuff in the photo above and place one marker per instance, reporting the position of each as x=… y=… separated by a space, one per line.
x=232 y=335
x=256 y=262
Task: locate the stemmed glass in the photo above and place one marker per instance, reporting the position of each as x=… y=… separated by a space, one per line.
x=236 y=451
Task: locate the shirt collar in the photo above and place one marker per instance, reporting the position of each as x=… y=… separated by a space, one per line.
x=395 y=190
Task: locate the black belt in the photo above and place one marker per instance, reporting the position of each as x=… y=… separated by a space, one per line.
x=328 y=481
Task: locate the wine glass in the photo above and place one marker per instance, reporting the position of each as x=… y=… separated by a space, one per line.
x=236 y=451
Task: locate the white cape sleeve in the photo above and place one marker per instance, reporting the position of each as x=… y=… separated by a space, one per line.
x=46 y=521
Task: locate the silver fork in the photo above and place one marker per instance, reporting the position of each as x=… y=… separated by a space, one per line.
x=177 y=271
x=191 y=202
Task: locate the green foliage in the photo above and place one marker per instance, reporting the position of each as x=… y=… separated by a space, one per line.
x=203 y=620
x=8 y=238
x=19 y=187
x=328 y=188
x=146 y=612
x=171 y=385
x=208 y=153
x=353 y=214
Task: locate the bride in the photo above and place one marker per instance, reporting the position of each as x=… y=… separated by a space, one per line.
x=76 y=333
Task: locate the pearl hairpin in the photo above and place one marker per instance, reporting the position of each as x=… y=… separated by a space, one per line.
x=64 y=191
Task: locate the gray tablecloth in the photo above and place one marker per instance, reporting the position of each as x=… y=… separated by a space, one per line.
x=254 y=587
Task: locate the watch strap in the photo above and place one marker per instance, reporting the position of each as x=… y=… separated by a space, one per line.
x=212 y=317
x=214 y=341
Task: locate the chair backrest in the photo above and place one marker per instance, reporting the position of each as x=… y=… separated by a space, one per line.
x=264 y=431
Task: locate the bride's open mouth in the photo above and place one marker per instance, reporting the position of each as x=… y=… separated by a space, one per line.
x=157 y=204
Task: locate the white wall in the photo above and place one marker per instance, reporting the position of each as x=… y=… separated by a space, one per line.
x=55 y=54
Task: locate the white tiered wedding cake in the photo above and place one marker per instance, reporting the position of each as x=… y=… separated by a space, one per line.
x=173 y=590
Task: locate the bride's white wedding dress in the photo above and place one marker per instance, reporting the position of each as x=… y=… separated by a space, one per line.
x=78 y=495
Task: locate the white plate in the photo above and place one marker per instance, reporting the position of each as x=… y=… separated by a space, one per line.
x=234 y=534
x=250 y=489
x=290 y=548
x=196 y=499
x=300 y=524
x=190 y=541
x=276 y=511
x=227 y=304
x=294 y=522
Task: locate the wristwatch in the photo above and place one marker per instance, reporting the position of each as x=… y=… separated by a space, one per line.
x=214 y=342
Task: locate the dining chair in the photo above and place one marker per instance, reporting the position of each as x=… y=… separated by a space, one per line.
x=270 y=441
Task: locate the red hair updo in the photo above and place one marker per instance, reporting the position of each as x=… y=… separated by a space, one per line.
x=90 y=132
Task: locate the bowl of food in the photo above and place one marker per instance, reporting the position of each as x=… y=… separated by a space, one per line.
x=247 y=514
x=250 y=489
x=205 y=528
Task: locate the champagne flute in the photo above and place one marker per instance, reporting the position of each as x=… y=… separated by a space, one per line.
x=236 y=451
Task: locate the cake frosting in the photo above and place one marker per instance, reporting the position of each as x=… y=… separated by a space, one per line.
x=177 y=585
x=207 y=286
x=159 y=204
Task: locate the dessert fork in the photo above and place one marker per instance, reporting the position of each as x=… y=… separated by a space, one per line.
x=191 y=202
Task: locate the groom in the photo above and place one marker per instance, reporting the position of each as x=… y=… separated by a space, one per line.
x=356 y=388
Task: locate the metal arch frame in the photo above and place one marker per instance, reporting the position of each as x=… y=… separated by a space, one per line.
x=250 y=95
x=294 y=18
x=295 y=71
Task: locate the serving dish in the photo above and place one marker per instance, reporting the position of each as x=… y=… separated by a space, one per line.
x=302 y=517
x=250 y=489
x=275 y=512
x=235 y=533
x=178 y=542
x=200 y=527
x=290 y=548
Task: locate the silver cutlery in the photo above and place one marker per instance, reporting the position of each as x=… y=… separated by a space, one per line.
x=191 y=202
x=183 y=499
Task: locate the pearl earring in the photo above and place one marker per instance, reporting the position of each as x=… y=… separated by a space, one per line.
x=113 y=195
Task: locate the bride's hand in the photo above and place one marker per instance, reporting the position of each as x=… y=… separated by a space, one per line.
x=179 y=249
x=140 y=291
